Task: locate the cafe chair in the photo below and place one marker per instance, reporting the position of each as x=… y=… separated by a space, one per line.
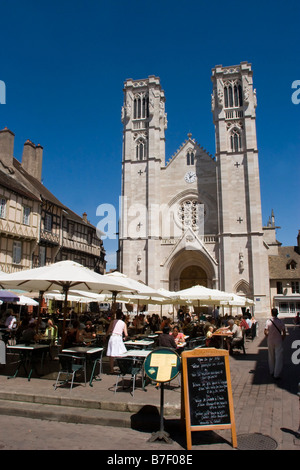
x=96 y=359
x=149 y=346
x=130 y=368
x=199 y=342
x=253 y=332
x=69 y=366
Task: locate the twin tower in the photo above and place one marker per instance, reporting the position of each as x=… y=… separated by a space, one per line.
x=196 y=218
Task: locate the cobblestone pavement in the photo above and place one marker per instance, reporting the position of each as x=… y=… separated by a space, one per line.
x=262 y=407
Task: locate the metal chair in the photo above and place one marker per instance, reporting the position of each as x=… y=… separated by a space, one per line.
x=94 y=359
x=199 y=342
x=129 y=367
x=70 y=365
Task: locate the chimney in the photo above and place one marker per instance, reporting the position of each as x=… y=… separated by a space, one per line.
x=39 y=161
x=32 y=159
x=7 y=138
x=84 y=216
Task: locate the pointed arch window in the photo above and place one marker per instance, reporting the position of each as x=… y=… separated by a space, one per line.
x=190 y=158
x=141 y=106
x=235 y=141
x=141 y=153
x=233 y=95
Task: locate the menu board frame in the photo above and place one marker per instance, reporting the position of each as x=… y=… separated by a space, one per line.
x=188 y=409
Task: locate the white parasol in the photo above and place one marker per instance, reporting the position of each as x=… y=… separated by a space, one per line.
x=64 y=275
x=202 y=294
x=24 y=300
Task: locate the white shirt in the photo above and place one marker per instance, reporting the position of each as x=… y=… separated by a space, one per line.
x=11 y=322
x=274 y=337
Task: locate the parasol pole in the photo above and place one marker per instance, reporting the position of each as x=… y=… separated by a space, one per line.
x=65 y=292
x=114 y=305
x=41 y=293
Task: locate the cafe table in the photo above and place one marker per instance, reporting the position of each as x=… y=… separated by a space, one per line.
x=222 y=333
x=139 y=353
x=28 y=355
x=140 y=343
x=92 y=355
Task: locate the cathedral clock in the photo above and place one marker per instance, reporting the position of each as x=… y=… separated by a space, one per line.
x=190 y=177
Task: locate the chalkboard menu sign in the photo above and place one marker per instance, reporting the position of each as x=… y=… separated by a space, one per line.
x=208 y=400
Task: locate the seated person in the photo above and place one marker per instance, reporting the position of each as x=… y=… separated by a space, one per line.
x=187 y=326
x=177 y=335
x=165 y=339
x=212 y=341
x=10 y=321
x=236 y=334
x=244 y=324
x=88 y=332
x=50 y=332
x=29 y=334
x=165 y=322
x=209 y=334
x=202 y=317
x=73 y=336
x=22 y=327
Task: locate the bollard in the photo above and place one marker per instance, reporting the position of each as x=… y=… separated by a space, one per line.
x=297 y=434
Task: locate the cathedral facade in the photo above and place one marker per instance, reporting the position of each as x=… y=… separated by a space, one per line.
x=196 y=218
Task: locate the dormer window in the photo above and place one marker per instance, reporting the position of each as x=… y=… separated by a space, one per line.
x=291 y=264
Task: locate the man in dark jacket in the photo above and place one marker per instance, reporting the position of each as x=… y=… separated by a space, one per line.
x=165 y=339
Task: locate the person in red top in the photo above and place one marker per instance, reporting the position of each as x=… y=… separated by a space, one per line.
x=244 y=324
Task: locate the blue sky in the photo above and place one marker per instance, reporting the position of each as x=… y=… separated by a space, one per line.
x=64 y=64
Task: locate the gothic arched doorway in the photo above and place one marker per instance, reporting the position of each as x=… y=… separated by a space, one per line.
x=192 y=276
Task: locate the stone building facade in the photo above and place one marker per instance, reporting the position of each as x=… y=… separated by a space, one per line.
x=284 y=269
x=35 y=227
x=196 y=218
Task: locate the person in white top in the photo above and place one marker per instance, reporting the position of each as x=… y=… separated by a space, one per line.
x=275 y=332
x=11 y=321
x=116 y=345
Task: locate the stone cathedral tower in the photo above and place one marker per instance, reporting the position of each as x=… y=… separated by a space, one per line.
x=195 y=219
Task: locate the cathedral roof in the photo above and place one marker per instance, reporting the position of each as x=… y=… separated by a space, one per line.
x=185 y=144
